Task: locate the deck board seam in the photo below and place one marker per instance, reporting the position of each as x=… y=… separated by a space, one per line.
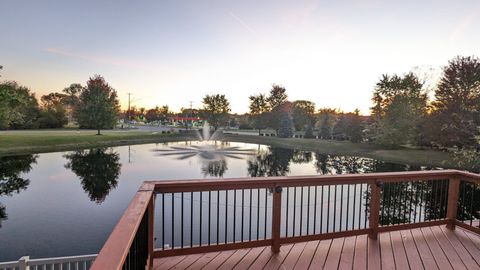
x=459 y=255
x=443 y=252
x=416 y=248
x=448 y=254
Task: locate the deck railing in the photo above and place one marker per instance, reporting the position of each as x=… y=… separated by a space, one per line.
x=82 y=262
x=196 y=216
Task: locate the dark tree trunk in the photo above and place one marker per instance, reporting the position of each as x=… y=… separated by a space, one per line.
x=98 y=132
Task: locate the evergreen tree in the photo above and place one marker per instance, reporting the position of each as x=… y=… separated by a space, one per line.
x=286 y=126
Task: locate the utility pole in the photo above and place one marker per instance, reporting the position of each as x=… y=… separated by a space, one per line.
x=191 y=113
x=128 y=110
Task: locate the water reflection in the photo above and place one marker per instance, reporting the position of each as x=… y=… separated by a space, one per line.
x=98 y=170
x=212 y=155
x=273 y=162
x=11 y=181
x=215 y=168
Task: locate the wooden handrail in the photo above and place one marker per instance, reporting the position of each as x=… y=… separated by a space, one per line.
x=292 y=181
x=116 y=249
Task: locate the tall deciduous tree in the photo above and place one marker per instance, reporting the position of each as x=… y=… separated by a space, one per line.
x=98 y=105
x=303 y=111
x=18 y=107
x=216 y=109
x=259 y=109
x=399 y=106
x=457 y=103
x=278 y=96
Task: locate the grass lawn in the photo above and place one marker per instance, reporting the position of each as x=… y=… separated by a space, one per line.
x=41 y=141
x=404 y=156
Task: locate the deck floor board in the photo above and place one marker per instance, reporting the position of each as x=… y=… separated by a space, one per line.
x=426 y=248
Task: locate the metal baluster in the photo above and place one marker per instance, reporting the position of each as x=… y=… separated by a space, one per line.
x=181 y=221
x=209 y=216
x=301 y=211
x=308 y=210
x=218 y=215
x=287 y=210
x=226 y=216
x=173 y=221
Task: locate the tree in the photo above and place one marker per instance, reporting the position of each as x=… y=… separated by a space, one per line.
x=53 y=112
x=12 y=171
x=278 y=96
x=216 y=109
x=355 y=127
x=18 y=107
x=399 y=106
x=98 y=105
x=303 y=111
x=152 y=115
x=326 y=122
x=457 y=103
x=259 y=109
x=98 y=170
x=286 y=126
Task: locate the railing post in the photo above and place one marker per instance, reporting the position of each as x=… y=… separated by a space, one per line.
x=23 y=263
x=452 y=204
x=374 y=217
x=151 y=231
x=276 y=215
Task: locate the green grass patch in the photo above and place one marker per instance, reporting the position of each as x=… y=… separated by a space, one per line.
x=410 y=156
x=41 y=141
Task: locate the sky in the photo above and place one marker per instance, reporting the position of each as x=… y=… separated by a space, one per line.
x=175 y=52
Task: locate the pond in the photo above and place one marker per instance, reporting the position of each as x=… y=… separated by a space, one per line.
x=67 y=203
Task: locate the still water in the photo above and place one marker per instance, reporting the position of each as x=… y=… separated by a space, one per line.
x=67 y=203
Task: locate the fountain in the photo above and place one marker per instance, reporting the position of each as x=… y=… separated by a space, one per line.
x=208 y=149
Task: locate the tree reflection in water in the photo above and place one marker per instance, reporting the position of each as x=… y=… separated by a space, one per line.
x=273 y=162
x=215 y=168
x=10 y=179
x=98 y=169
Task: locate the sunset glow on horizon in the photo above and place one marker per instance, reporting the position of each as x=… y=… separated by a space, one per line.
x=172 y=52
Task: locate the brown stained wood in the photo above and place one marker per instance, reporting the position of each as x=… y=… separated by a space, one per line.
x=204 y=249
x=203 y=260
x=400 y=227
x=323 y=236
x=437 y=252
x=402 y=250
x=360 y=257
x=468 y=244
x=167 y=263
x=373 y=252
x=115 y=250
x=467 y=226
x=321 y=254
x=151 y=231
x=462 y=252
x=453 y=190
x=276 y=220
x=292 y=181
x=412 y=253
x=293 y=255
x=219 y=259
x=262 y=259
x=348 y=252
x=388 y=260
x=277 y=258
x=307 y=254
x=399 y=253
x=333 y=257
x=374 y=216
x=185 y=263
x=231 y=262
x=251 y=256
x=423 y=250
x=448 y=249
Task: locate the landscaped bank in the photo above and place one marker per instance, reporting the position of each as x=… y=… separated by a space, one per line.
x=403 y=155
x=43 y=141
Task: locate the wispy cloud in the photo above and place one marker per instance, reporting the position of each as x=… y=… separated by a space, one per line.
x=97 y=58
x=242 y=22
x=459 y=31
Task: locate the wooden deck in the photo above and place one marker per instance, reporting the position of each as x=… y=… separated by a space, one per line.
x=426 y=248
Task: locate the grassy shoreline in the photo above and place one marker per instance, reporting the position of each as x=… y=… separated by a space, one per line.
x=432 y=158
x=43 y=141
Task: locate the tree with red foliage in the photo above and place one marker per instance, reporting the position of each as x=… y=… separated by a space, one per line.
x=98 y=105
